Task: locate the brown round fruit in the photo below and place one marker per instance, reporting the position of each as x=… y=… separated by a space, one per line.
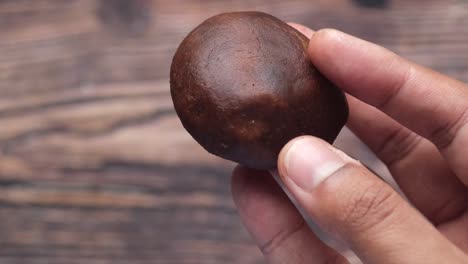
x=243 y=86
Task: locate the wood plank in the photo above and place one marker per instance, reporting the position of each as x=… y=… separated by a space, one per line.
x=95 y=166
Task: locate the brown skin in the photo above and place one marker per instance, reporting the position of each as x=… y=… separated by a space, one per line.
x=416 y=121
x=243 y=86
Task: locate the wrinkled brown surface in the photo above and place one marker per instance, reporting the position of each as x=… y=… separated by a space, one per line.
x=243 y=86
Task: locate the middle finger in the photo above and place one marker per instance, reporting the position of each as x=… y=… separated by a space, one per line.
x=429 y=103
x=415 y=163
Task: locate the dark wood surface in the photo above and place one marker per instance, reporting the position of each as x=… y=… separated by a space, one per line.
x=95 y=166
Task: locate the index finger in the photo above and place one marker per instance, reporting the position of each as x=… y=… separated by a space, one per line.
x=431 y=104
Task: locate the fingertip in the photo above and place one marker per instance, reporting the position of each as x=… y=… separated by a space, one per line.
x=363 y=69
x=322 y=44
x=273 y=221
x=308 y=32
x=240 y=174
x=237 y=179
x=327 y=34
x=246 y=182
x=261 y=204
x=283 y=156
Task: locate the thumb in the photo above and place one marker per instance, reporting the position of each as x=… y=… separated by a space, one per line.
x=354 y=205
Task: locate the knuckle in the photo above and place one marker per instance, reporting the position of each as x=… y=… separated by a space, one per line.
x=370 y=207
x=398 y=145
x=278 y=240
x=444 y=134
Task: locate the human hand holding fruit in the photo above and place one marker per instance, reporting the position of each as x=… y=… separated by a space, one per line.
x=416 y=121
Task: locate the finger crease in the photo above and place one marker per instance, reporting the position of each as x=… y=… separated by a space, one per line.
x=398 y=145
x=405 y=150
x=397 y=88
x=449 y=210
x=278 y=239
x=446 y=134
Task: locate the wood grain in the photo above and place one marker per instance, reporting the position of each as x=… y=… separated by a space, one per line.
x=95 y=166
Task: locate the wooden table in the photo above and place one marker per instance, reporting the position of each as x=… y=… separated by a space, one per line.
x=95 y=166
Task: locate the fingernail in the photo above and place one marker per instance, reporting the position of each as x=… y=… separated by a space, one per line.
x=310 y=161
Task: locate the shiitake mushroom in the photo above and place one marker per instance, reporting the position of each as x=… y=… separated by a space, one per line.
x=243 y=85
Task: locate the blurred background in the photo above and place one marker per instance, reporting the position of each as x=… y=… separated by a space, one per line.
x=94 y=164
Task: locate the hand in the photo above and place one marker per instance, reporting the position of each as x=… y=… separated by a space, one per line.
x=416 y=121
